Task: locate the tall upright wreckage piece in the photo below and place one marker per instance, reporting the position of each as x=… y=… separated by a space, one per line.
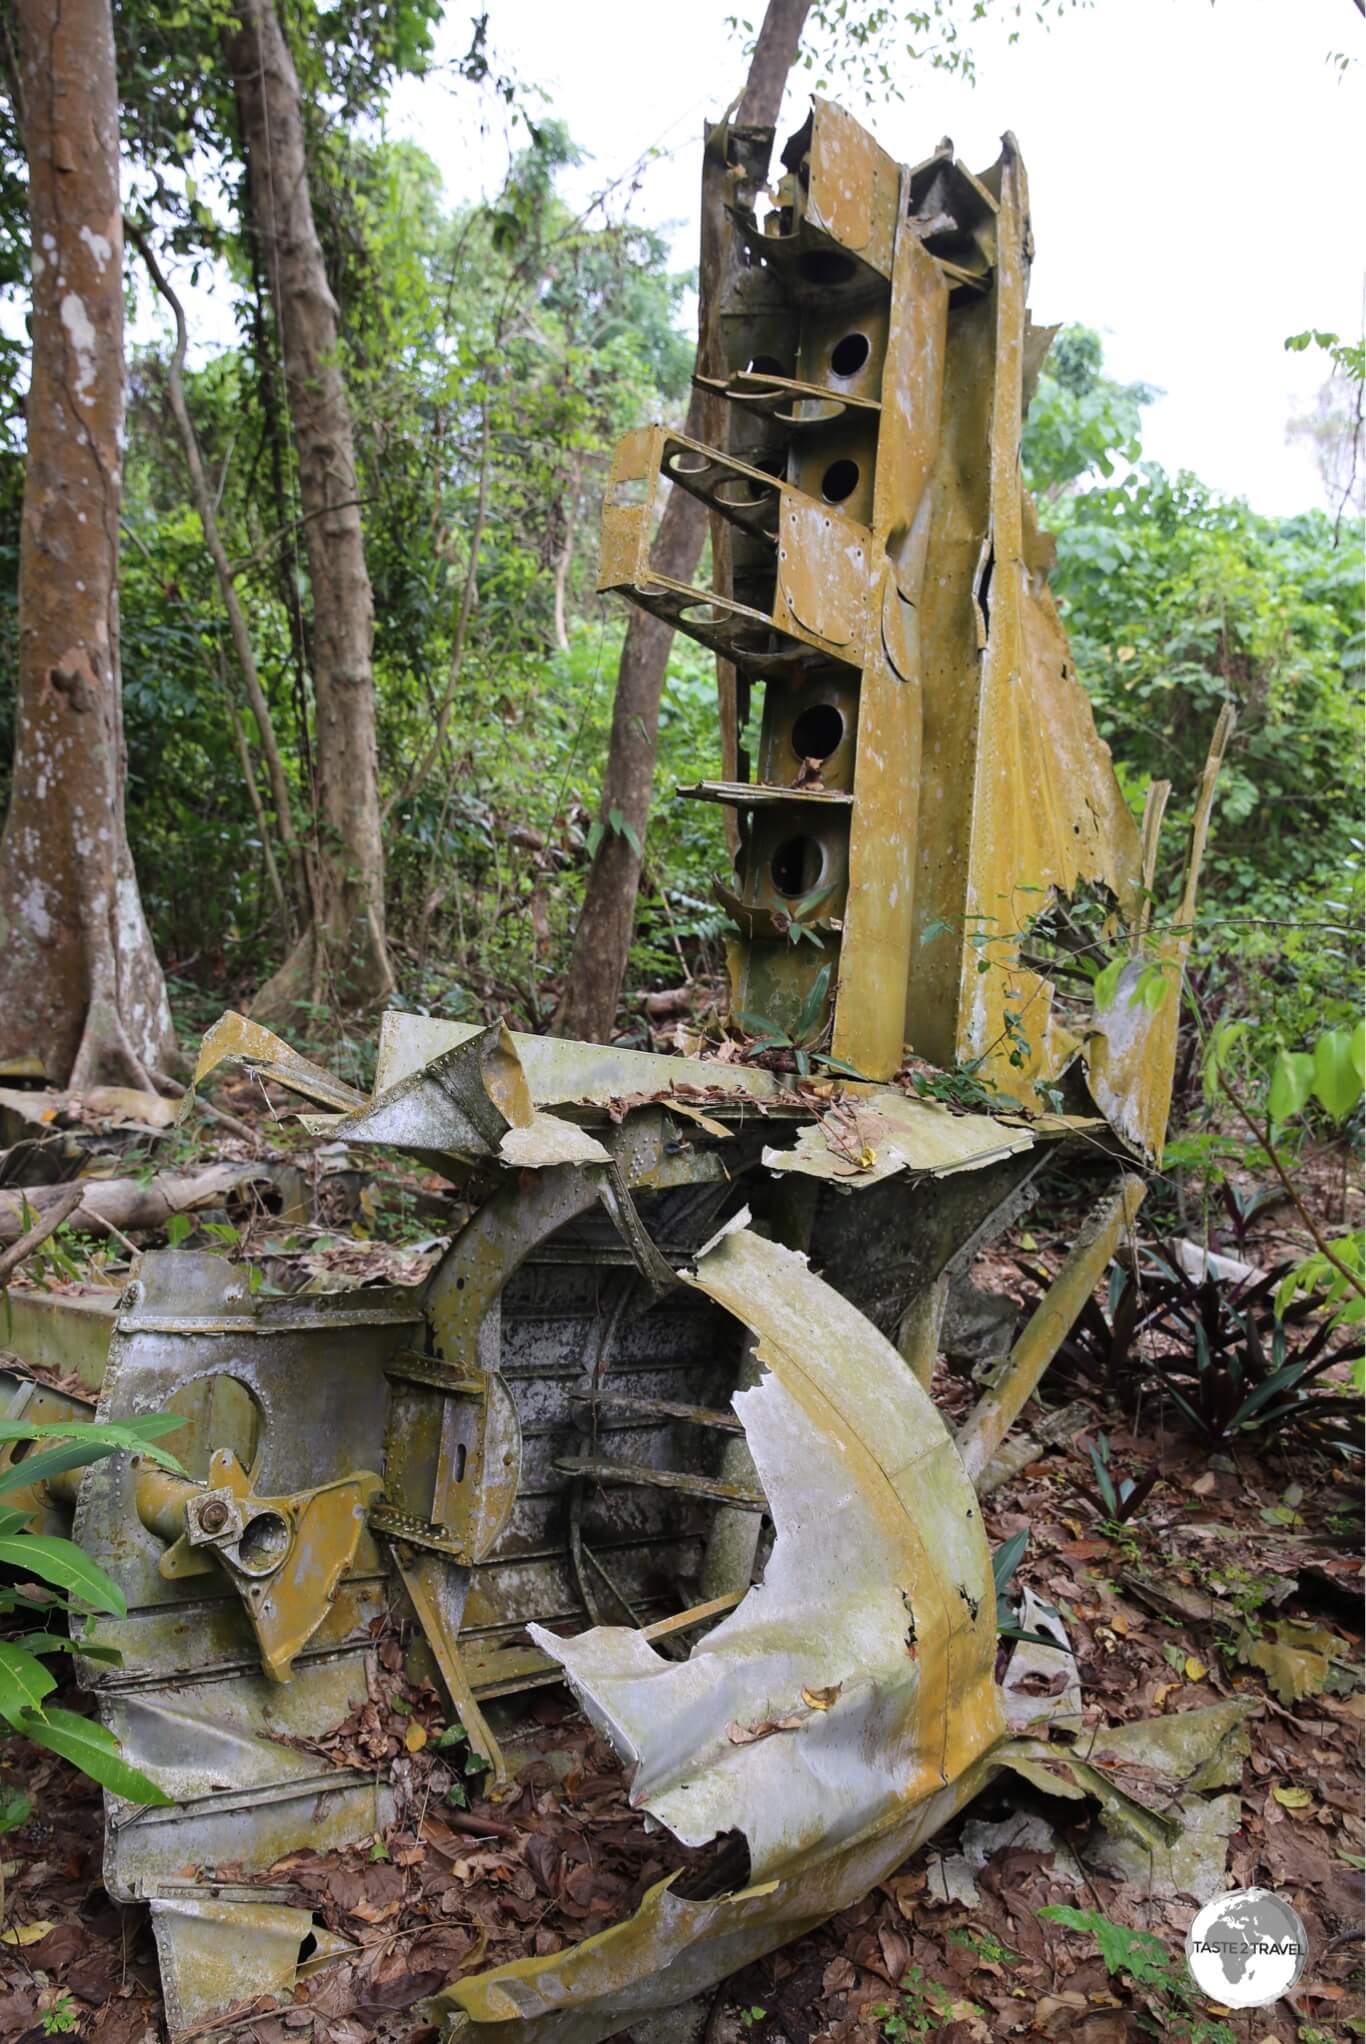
x=670 y=1381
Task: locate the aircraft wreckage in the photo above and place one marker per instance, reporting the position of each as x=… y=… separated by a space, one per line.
x=670 y=1382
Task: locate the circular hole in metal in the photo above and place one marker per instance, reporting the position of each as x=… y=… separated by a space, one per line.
x=840 y=480
x=219 y=1412
x=740 y=494
x=848 y=356
x=796 y=866
x=817 y=730
x=766 y=365
x=826 y=266
x=702 y=614
x=264 y=1543
x=682 y=462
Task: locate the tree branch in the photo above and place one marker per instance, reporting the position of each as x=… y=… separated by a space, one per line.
x=1263 y=1136
x=39 y=1232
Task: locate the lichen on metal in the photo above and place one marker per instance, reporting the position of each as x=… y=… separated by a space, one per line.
x=929 y=776
x=624 y=1392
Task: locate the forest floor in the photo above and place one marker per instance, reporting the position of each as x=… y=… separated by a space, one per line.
x=1241 y=1578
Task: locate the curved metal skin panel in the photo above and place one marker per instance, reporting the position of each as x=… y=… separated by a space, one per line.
x=833 y=1746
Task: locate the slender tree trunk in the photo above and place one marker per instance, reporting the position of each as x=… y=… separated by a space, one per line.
x=80 y=987
x=602 y=940
x=344 y=952
x=564 y=560
x=202 y=498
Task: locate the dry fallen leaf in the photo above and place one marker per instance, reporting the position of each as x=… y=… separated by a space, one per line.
x=1196 y=1671
x=1203 y=1485
x=745 y=1735
x=415 y=1738
x=821 y=1699
x=26 y=1933
x=1295 y=1659
x=1293 y=1798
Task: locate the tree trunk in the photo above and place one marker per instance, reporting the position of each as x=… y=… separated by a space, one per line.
x=602 y=940
x=343 y=954
x=80 y=987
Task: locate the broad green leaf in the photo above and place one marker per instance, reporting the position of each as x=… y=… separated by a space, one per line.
x=54 y=1560
x=58 y=1643
x=15 y=1809
x=1359 y=1050
x=52 y=1462
x=1106 y=983
x=87 y=1745
x=1337 y=1082
x=10 y=1522
x=138 y=1436
x=24 y=1682
x=1292 y=1078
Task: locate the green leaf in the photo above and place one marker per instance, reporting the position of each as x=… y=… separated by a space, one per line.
x=15 y=1809
x=815 y=1000
x=177 y=1228
x=1359 y=1050
x=24 y=1682
x=58 y=1643
x=54 y=1560
x=1006 y=1560
x=759 y=1025
x=52 y=1462
x=1106 y=983
x=96 y=1752
x=1292 y=1077
x=138 y=1436
x=1337 y=1082
x=1136 y=1952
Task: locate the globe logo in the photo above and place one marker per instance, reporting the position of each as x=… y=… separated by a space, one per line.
x=1246 y=1948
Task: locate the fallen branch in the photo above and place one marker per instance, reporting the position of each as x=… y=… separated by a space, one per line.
x=118 y=1205
x=48 y=1224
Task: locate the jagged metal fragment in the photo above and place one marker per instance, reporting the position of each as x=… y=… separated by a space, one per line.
x=844 y=1711
x=213 y=1948
x=841 y=1713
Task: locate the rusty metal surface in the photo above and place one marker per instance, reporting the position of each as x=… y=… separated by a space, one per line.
x=209 y=1945
x=930 y=779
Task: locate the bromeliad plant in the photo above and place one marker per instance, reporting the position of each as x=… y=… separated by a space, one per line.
x=49 y=1583
x=1232 y=1365
x=1248 y=1358
x=1117 y=1502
